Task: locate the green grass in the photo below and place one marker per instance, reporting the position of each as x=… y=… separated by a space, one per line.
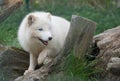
x=81 y=68
x=105 y=19
x=76 y=69
x=9 y=28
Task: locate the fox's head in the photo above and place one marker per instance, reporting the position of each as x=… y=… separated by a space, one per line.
x=39 y=25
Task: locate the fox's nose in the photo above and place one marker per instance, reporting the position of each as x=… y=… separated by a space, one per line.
x=50 y=38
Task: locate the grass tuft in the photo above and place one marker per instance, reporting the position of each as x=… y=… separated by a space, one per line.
x=81 y=68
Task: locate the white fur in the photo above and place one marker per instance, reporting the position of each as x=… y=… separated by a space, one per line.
x=53 y=26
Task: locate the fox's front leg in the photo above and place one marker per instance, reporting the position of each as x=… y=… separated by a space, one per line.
x=32 y=63
x=43 y=55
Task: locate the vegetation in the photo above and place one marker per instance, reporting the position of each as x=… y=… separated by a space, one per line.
x=103 y=14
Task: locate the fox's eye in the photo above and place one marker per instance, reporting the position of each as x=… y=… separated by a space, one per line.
x=40 y=29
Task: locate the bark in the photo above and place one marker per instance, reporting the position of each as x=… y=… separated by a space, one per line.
x=7 y=11
x=118 y=3
x=13 y=63
x=108 y=44
x=78 y=40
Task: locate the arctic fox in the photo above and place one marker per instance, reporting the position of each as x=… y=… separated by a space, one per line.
x=43 y=36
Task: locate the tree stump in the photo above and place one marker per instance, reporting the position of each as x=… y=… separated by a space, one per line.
x=78 y=40
x=108 y=44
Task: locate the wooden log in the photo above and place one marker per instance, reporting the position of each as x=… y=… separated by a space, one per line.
x=108 y=44
x=13 y=63
x=6 y=13
x=118 y=3
x=78 y=39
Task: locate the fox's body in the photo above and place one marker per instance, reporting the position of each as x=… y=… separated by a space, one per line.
x=42 y=35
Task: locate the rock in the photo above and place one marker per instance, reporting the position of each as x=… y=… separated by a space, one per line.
x=13 y=63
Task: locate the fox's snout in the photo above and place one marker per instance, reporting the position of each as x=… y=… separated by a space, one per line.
x=49 y=38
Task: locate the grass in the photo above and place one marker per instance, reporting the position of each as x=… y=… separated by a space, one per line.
x=76 y=69
x=105 y=19
x=8 y=28
x=81 y=68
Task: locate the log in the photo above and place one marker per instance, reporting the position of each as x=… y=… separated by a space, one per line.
x=13 y=63
x=118 y=3
x=6 y=13
x=78 y=40
x=108 y=44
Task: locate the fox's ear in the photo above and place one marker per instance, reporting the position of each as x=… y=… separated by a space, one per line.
x=49 y=15
x=31 y=19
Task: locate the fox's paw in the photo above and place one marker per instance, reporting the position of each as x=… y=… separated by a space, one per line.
x=47 y=60
x=28 y=72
